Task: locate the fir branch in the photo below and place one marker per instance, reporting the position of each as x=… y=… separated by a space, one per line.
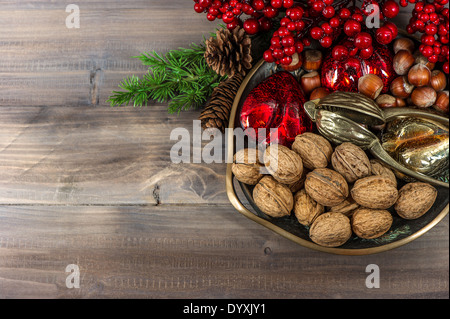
x=181 y=77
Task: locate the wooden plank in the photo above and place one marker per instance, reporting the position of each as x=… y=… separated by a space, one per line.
x=177 y=252
x=54 y=155
x=45 y=63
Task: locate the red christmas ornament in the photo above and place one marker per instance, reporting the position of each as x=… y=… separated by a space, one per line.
x=277 y=102
x=343 y=75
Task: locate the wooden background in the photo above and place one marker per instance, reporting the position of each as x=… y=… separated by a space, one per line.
x=82 y=183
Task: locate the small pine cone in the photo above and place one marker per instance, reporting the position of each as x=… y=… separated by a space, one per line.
x=217 y=112
x=229 y=53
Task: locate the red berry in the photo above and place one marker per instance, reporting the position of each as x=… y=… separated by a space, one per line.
x=278 y=54
x=427 y=39
x=326 y=41
x=393 y=28
x=289 y=51
x=328 y=12
x=326 y=27
x=265 y=24
x=270 y=12
x=345 y=13
x=384 y=35
x=198 y=8
x=288 y=3
x=268 y=57
x=296 y=13
x=426 y=50
x=391 y=9
x=339 y=52
x=366 y=53
x=288 y=41
x=258 y=4
x=335 y=22
x=316 y=33
x=251 y=26
x=446 y=67
x=431 y=29
x=276 y=42
x=352 y=28
x=299 y=47
x=286 y=60
x=276 y=3
x=228 y=17
x=291 y=26
x=318 y=6
x=363 y=40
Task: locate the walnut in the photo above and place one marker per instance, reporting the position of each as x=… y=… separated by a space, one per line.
x=378 y=168
x=351 y=161
x=314 y=150
x=347 y=207
x=326 y=187
x=273 y=198
x=300 y=184
x=377 y=192
x=283 y=164
x=371 y=223
x=331 y=230
x=415 y=199
x=306 y=209
x=247 y=167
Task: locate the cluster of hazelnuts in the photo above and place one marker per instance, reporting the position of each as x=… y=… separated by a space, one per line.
x=417 y=83
x=309 y=60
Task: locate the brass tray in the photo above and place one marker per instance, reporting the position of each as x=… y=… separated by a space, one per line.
x=402 y=231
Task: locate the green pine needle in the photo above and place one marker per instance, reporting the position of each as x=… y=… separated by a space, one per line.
x=180 y=78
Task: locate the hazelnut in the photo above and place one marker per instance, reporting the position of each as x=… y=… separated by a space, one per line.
x=401 y=88
x=424 y=96
x=310 y=81
x=420 y=59
x=404 y=44
x=370 y=85
x=442 y=102
x=385 y=101
x=312 y=60
x=403 y=61
x=296 y=63
x=438 y=80
x=419 y=75
x=319 y=93
x=400 y=102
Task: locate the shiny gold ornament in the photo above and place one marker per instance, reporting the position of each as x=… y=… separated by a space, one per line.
x=343 y=117
x=418 y=144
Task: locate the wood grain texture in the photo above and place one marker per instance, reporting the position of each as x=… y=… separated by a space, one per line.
x=82 y=183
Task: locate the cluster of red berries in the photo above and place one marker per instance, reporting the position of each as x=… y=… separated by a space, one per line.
x=326 y=20
x=431 y=19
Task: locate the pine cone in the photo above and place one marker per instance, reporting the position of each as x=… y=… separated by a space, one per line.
x=217 y=112
x=229 y=53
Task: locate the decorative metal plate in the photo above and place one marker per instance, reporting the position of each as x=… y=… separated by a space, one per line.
x=402 y=231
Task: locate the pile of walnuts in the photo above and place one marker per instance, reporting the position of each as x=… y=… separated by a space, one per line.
x=335 y=192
